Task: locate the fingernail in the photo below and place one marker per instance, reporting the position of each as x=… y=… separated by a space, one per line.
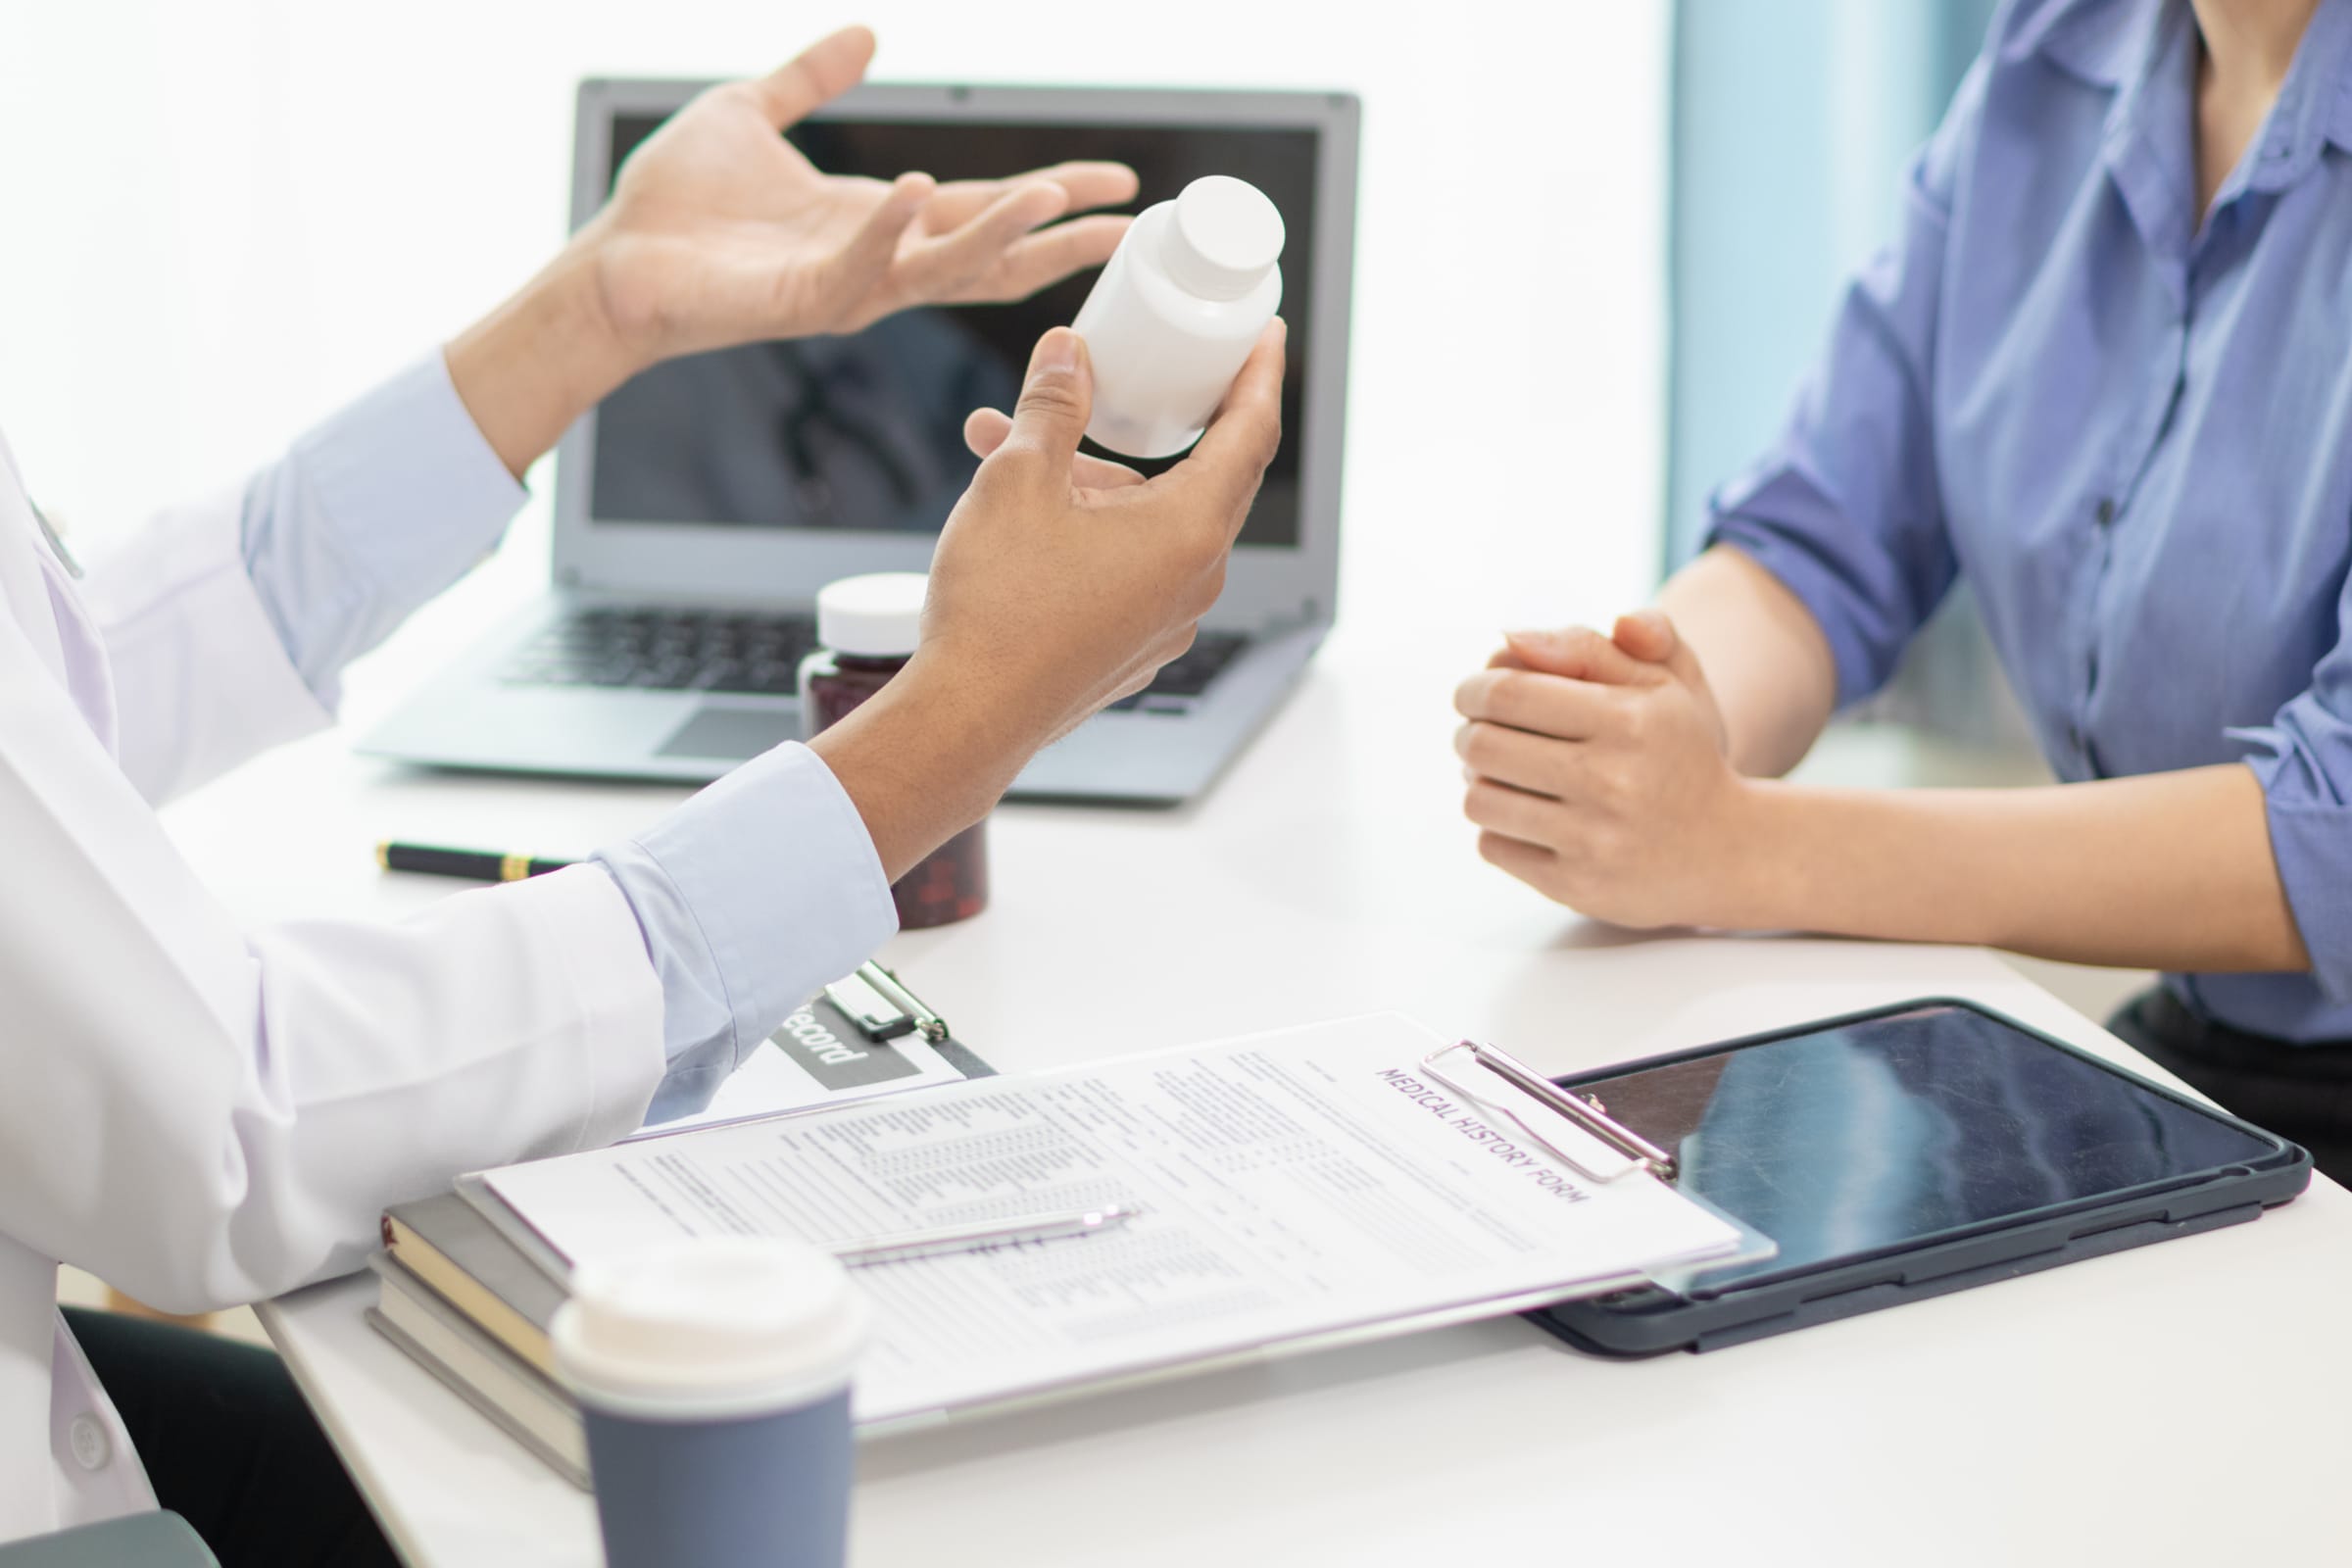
x=1524 y=636
x=1057 y=351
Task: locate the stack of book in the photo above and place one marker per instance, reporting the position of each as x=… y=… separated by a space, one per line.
x=473 y=1310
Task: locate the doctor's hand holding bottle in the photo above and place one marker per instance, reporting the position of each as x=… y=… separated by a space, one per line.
x=1048 y=602
x=1062 y=584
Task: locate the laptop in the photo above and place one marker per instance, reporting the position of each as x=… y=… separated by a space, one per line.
x=700 y=507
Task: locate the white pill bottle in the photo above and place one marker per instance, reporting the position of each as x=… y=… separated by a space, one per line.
x=1176 y=312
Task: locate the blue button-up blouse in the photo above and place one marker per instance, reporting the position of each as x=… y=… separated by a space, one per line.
x=2132 y=430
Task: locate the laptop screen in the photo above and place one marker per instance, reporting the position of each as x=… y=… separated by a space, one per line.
x=867 y=432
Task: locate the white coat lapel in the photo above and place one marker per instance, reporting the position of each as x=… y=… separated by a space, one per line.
x=24 y=584
x=41 y=599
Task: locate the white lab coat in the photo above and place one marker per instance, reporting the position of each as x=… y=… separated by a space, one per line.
x=203 y=1114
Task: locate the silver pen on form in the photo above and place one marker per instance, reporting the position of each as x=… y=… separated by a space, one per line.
x=982 y=1236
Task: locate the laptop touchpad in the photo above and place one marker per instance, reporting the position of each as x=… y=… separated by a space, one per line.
x=734 y=734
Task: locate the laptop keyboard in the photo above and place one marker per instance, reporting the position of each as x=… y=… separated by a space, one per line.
x=669 y=650
x=733 y=650
x=1175 y=686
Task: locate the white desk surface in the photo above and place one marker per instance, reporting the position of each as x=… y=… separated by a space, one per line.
x=2184 y=1403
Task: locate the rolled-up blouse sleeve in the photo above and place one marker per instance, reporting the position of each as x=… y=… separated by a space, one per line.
x=1845 y=509
x=2303 y=758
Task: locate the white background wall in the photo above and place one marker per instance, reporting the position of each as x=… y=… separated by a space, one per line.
x=218 y=219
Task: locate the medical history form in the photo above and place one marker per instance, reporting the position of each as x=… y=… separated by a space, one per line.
x=1293 y=1189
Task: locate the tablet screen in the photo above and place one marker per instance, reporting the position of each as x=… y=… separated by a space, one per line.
x=1892 y=1129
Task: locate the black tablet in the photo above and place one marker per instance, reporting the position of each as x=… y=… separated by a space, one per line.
x=1908 y=1153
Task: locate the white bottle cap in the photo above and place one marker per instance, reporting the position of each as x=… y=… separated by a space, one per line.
x=1225 y=237
x=711 y=1327
x=879 y=615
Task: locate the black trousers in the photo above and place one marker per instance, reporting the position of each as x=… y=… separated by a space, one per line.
x=229 y=1445
x=2298 y=1092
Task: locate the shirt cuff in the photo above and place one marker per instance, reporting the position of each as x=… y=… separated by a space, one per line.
x=371 y=514
x=752 y=896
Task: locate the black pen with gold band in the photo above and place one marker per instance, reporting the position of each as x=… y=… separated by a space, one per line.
x=478 y=865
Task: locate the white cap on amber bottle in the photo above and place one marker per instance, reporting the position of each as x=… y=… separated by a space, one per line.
x=878 y=615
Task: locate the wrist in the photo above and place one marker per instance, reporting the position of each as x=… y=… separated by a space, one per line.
x=921 y=760
x=542 y=359
x=1761 y=849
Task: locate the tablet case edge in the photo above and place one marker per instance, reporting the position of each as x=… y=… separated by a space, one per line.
x=2232 y=1197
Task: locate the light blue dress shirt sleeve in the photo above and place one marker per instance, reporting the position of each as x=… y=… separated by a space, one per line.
x=1845 y=508
x=750 y=897
x=752 y=894
x=369 y=514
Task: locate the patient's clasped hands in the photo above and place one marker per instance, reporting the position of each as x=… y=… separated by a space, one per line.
x=1599 y=772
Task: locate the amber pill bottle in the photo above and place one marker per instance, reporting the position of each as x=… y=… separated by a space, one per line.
x=866 y=629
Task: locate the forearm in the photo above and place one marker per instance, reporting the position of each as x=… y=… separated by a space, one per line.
x=539 y=361
x=2163 y=871
x=1764 y=656
x=1766 y=659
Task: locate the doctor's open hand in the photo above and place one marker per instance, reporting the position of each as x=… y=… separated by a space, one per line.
x=719 y=232
x=1598 y=772
x=1061 y=583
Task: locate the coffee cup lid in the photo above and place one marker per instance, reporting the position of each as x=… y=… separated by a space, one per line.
x=709 y=1326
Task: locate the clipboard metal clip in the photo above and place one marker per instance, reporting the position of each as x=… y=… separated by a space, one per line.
x=1585 y=1111
x=880 y=1004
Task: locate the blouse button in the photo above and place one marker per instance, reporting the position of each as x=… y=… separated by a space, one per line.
x=2106 y=511
x=92 y=1447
